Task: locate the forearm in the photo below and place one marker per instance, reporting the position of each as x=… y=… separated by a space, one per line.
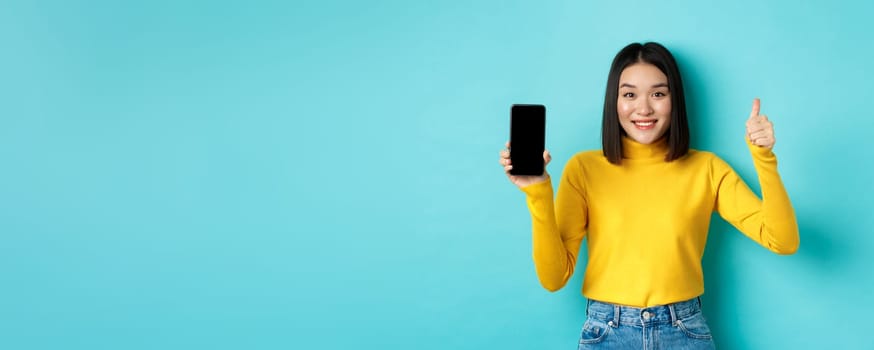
x=552 y=261
x=779 y=227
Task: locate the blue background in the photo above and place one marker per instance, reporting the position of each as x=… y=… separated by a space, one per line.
x=323 y=174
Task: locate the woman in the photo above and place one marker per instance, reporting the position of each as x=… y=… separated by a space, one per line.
x=644 y=203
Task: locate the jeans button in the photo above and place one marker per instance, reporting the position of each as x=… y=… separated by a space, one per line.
x=646 y=315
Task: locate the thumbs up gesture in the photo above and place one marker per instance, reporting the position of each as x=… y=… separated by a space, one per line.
x=760 y=130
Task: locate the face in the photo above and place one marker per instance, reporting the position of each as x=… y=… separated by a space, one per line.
x=644 y=103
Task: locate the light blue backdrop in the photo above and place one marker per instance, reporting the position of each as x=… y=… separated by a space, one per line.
x=323 y=174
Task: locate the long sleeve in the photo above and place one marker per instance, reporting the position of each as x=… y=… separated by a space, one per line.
x=558 y=227
x=770 y=221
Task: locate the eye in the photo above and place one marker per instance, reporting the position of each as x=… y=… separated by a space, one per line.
x=628 y=95
x=659 y=94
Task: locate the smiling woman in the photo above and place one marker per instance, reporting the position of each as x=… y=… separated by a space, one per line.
x=644 y=105
x=645 y=83
x=644 y=203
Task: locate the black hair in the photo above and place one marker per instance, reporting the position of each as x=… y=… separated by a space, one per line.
x=612 y=132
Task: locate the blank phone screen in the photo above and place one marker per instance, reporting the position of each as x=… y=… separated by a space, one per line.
x=527 y=139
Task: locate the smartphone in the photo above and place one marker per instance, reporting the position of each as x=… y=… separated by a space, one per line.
x=527 y=138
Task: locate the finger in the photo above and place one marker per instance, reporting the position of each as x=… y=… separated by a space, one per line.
x=764 y=125
x=757 y=104
x=507 y=168
x=766 y=142
x=546 y=158
x=759 y=139
x=762 y=139
x=762 y=119
x=505 y=154
x=754 y=128
x=759 y=123
x=760 y=135
x=507 y=145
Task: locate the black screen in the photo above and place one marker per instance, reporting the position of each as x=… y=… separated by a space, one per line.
x=527 y=139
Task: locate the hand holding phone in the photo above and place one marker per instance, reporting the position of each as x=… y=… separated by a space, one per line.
x=523 y=180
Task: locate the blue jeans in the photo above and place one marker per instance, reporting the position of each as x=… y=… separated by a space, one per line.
x=674 y=326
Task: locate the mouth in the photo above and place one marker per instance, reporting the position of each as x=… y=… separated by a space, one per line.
x=644 y=124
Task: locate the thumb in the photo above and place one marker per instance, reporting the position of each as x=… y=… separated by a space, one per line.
x=756 y=106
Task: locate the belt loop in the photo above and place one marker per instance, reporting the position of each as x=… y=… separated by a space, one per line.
x=673 y=314
x=699 y=302
x=588 y=302
x=615 y=315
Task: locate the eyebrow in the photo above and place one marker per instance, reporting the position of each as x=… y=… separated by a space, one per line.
x=633 y=87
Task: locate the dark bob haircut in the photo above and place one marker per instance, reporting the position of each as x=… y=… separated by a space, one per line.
x=612 y=132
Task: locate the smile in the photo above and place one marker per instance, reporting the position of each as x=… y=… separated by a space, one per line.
x=644 y=124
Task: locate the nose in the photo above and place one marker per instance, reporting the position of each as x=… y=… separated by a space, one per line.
x=643 y=107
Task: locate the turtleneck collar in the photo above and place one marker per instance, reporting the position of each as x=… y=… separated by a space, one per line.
x=633 y=150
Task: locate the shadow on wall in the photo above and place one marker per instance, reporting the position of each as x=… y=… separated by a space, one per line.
x=819 y=254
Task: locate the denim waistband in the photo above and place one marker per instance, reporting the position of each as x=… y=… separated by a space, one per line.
x=620 y=314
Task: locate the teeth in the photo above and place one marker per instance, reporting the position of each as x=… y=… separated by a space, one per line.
x=645 y=123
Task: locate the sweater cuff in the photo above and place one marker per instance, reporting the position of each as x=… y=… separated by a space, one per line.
x=539 y=190
x=761 y=154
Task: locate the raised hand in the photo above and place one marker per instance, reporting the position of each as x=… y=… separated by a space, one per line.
x=760 y=130
x=519 y=180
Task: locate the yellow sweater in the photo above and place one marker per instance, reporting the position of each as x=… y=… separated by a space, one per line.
x=647 y=220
